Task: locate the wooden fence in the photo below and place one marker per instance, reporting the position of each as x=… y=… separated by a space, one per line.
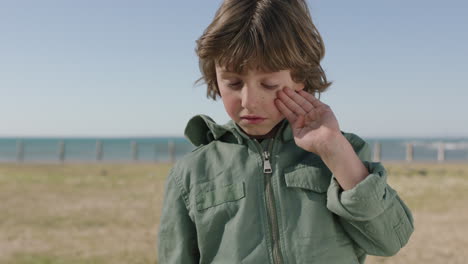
x=134 y=146
x=409 y=152
x=171 y=151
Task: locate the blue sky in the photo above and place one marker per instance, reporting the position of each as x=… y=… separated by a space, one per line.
x=127 y=68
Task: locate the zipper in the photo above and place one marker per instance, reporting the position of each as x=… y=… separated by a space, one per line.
x=271 y=209
x=266 y=163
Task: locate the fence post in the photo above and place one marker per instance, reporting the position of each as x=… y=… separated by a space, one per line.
x=19 y=151
x=441 y=152
x=61 y=151
x=98 y=150
x=171 y=150
x=134 y=150
x=155 y=152
x=377 y=151
x=409 y=152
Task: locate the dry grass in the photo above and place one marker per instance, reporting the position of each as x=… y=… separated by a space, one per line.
x=80 y=213
x=109 y=213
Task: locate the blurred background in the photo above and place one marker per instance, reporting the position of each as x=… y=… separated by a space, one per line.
x=96 y=96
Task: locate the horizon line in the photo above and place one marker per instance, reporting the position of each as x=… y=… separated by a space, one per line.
x=136 y=136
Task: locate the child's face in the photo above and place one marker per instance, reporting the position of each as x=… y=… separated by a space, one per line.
x=249 y=98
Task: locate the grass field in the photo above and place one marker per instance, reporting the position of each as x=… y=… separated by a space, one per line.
x=109 y=213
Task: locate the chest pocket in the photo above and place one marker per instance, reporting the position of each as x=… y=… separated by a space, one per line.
x=316 y=232
x=218 y=195
x=316 y=179
x=307 y=195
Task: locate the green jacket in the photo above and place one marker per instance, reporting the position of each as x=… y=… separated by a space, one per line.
x=234 y=200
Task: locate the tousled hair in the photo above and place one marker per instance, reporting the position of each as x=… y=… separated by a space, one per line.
x=269 y=35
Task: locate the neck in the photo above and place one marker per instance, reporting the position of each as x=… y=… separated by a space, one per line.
x=270 y=134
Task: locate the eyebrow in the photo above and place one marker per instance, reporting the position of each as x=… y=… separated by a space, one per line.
x=229 y=75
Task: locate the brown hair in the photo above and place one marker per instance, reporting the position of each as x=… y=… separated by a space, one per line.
x=270 y=35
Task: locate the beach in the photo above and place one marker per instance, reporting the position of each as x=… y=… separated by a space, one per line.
x=109 y=212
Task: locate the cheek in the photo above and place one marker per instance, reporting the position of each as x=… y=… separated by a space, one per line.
x=268 y=101
x=231 y=104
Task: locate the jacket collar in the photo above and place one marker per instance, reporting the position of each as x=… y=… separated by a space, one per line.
x=201 y=130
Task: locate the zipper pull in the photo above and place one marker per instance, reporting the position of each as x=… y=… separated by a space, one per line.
x=266 y=162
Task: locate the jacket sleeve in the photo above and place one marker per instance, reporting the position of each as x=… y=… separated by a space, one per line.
x=372 y=213
x=177 y=238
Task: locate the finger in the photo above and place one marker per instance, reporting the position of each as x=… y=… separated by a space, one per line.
x=311 y=98
x=290 y=103
x=299 y=99
x=290 y=115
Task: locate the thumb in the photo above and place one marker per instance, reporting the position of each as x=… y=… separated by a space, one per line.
x=299 y=122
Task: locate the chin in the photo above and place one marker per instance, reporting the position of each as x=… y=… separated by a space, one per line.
x=255 y=132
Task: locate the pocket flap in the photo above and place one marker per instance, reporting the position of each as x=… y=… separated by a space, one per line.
x=220 y=195
x=311 y=178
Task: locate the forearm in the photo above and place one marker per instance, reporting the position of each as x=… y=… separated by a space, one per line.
x=342 y=160
x=372 y=213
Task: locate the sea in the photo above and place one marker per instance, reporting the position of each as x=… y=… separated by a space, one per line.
x=169 y=149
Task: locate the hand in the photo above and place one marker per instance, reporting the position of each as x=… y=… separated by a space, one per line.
x=313 y=123
x=316 y=129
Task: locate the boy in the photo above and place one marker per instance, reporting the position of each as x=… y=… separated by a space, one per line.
x=280 y=183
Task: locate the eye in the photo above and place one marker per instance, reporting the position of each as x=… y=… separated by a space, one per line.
x=234 y=84
x=270 y=86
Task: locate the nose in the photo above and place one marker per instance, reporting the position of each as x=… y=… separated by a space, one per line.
x=249 y=97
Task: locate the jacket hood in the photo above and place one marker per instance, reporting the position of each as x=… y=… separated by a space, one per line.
x=201 y=130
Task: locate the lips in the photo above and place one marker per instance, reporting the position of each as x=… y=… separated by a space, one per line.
x=252 y=119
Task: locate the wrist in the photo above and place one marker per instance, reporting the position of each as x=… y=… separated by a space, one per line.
x=334 y=144
x=344 y=163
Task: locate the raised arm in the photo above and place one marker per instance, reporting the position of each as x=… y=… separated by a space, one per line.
x=370 y=211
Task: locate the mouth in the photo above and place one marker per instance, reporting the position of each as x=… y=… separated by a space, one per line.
x=252 y=119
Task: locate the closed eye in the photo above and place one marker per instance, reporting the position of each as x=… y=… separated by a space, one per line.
x=234 y=85
x=270 y=86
